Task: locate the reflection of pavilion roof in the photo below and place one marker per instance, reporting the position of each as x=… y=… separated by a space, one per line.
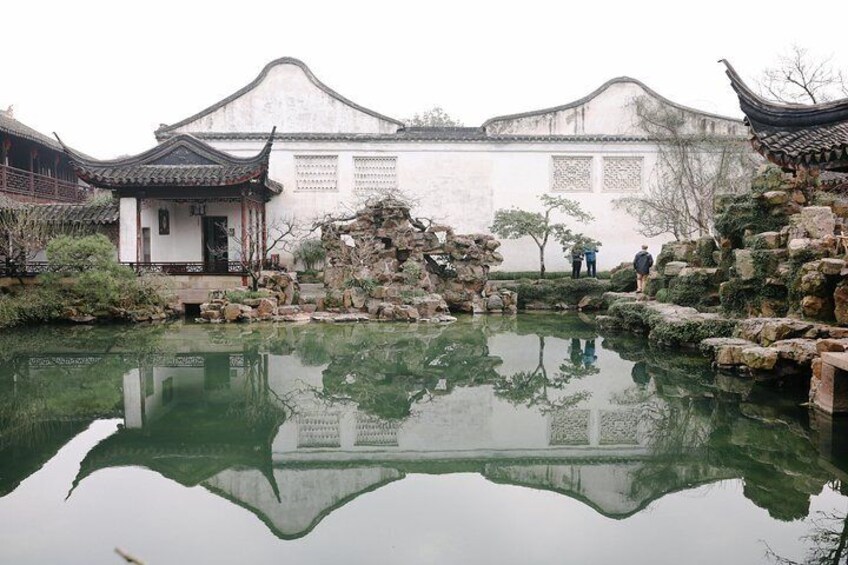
x=185 y=454
x=793 y=135
x=181 y=161
x=17 y=462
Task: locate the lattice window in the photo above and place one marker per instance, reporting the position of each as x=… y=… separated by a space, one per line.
x=316 y=173
x=376 y=432
x=622 y=174
x=318 y=430
x=568 y=427
x=377 y=174
x=571 y=174
x=619 y=427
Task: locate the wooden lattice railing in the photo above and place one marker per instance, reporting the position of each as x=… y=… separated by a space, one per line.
x=34 y=185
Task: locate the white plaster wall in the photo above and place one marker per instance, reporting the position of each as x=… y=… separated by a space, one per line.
x=185 y=241
x=288 y=99
x=611 y=112
x=127 y=242
x=464 y=184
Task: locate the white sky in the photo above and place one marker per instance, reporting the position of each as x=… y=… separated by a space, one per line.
x=104 y=75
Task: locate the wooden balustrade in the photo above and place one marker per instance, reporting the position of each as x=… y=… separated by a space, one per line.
x=42 y=187
x=35 y=268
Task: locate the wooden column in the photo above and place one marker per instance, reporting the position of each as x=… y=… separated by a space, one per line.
x=264 y=233
x=244 y=257
x=138 y=238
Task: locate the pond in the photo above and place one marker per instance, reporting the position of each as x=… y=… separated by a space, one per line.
x=530 y=439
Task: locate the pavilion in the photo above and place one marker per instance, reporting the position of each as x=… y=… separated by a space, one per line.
x=186 y=207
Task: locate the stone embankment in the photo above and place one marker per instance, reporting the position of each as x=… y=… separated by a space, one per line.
x=763 y=348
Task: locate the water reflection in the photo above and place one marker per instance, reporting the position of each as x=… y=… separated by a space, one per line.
x=293 y=422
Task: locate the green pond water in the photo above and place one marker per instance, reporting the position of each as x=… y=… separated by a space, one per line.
x=497 y=440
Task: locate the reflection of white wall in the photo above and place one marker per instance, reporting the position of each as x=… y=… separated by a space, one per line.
x=468 y=422
x=305 y=495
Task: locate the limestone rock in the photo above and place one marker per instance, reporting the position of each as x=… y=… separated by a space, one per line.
x=673 y=268
x=819 y=221
x=726 y=351
x=775 y=197
x=840 y=303
x=817 y=307
x=768 y=239
x=590 y=303
x=267 y=306
x=232 y=312
x=744 y=264
x=830 y=266
x=800 y=351
x=759 y=358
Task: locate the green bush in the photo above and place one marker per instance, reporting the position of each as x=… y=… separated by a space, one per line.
x=662 y=295
x=565 y=291
x=67 y=254
x=239 y=296
x=690 y=332
x=86 y=279
x=517 y=275
x=310 y=252
x=623 y=280
x=694 y=290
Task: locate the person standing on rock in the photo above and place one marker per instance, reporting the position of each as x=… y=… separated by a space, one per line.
x=591 y=258
x=576 y=261
x=642 y=263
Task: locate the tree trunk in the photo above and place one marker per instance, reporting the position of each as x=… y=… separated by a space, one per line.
x=541 y=262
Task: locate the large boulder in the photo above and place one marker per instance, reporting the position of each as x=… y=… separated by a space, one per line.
x=744 y=264
x=840 y=303
x=819 y=221
x=759 y=358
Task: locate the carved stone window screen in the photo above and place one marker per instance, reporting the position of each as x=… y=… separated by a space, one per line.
x=377 y=174
x=318 y=430
x=316 y=173
x=571 y=174
x=375 y=432
x=622 y=174
x=568 y=427
x=619 y=427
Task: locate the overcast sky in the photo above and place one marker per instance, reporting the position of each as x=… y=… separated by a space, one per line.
x=104 y=75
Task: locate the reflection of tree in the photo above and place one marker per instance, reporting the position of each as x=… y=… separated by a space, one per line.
x=258 y=405
x=828 y=542
x=386 y=371
x=533 y=388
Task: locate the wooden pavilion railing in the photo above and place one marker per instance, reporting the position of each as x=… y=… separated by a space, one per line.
x=34 y=185
x=35 y=268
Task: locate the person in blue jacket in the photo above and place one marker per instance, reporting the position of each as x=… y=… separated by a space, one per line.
x=591 y=254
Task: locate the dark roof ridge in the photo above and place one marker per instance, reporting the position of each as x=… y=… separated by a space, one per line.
x=598 y=91
x=783 y=114
x=255 y=82
x=13 y=126
x=186 y=140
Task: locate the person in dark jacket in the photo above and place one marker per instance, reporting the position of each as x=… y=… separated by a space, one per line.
x=642 y=263
x=576 y=261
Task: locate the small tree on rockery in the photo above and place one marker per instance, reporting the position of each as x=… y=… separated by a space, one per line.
x=513 y=223
x=256 y=242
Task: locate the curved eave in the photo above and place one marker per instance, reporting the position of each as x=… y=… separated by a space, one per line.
x=833 y=159
x=589 y=97
x=166 y=129
x=188 y=141
x=768 y=113
x=106 y=181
